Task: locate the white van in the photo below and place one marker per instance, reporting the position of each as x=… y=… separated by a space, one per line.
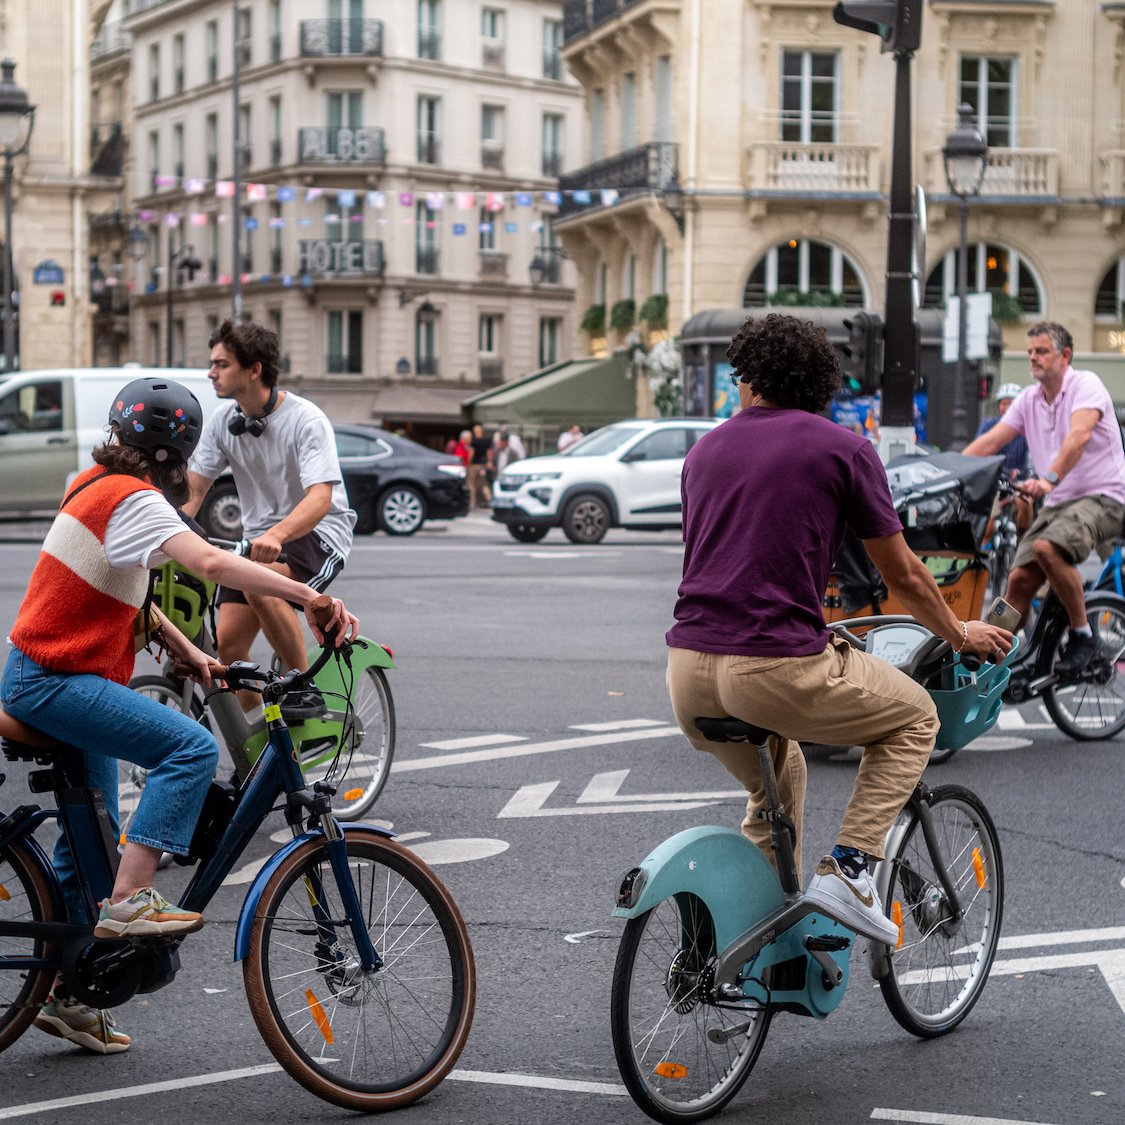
x=50 y=421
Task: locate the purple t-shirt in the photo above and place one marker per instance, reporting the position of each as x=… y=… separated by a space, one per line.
x=766 y=498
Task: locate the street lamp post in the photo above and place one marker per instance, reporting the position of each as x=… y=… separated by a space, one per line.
x=180 y=262
x=16 y=115
x=544 y=266
x=965 y=157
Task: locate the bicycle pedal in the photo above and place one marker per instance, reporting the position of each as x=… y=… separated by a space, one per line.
x=829 y=943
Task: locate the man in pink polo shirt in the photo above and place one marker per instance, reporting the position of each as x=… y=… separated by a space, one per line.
x=1068 y=419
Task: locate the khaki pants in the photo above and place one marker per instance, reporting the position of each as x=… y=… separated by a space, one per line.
x=841 y=697
x=480 y=495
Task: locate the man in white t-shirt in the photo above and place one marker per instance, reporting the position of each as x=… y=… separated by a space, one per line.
x=281 y=451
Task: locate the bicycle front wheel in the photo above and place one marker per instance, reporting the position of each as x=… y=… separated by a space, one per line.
x=24 y=897
x=941 y=963
x=1094 y=707
x=365 y=1041
x=682 y=1056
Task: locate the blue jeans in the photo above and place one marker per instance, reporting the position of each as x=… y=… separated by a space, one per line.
x=109 y=722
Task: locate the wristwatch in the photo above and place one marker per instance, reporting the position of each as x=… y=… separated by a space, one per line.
x=1051 y=478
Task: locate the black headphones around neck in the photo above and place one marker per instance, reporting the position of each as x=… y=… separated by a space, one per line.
x=255 y=427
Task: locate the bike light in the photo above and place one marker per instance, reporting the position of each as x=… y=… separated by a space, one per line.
x=630 y=887
x=319 y=1016
x=978 y=868
x=896 y=917
x=670 y=1070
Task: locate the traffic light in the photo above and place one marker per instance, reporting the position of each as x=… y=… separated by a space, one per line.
x=863 y=353
x=897 y=22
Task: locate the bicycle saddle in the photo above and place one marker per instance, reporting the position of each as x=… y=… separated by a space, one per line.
x=19 y=741
x=726 y=729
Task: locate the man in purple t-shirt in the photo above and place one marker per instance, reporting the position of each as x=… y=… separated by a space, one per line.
x=1071 y=428
x=766 y=498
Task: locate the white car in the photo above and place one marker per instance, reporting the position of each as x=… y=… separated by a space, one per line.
x=624 y=475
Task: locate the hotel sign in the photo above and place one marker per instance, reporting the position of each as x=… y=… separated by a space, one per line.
x=341 y=257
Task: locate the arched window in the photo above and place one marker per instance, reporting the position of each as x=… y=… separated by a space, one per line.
x=660 y=268
x=629 y=278
x=1109 y=302
x=802 y=271
x=994 y=269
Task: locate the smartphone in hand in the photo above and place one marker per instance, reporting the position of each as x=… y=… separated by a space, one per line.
x=1003 y=615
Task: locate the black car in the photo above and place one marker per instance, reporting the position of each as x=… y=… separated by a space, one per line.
x=394 y=484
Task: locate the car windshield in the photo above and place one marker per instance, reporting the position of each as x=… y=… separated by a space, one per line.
x=603 y=441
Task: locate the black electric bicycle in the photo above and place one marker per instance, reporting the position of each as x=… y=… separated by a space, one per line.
x=356 y=961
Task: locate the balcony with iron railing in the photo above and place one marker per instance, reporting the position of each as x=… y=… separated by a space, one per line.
x=344 y=38
x=429 y=45
x=427 y=365
x=1112 y=184
x=492 y=55
x=491 y=370
x=551 y=164
x=552 y=65
x=647 y=168
x=426 y=259
x=338 y=363
x=275 y=150
x=811 y=169
x=493 y=265
x=107 y=149
x=111 y=39
x=429 y=150
x=245 y=157
x=492 y=155
x=321 y=144
x=1013 y=173
x=212 y=165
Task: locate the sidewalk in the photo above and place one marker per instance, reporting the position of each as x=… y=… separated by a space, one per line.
x=478 y=523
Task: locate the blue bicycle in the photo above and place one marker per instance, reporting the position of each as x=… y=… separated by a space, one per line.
x=356 y=961
x=717 y=942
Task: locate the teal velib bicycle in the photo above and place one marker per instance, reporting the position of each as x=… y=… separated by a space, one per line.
x=356 y=961
x=716 y=941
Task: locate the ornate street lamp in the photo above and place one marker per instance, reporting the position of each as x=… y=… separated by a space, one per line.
x=545 y=265
x=965 y=157
x=17 y=119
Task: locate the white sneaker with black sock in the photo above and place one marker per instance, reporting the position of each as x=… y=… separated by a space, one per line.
x=854 y=901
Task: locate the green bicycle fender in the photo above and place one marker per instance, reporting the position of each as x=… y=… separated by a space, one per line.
x=721 y=867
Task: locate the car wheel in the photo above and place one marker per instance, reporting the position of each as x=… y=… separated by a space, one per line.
x=402 y=510
x=526 y=532
x=586 y=519
x=221 y=513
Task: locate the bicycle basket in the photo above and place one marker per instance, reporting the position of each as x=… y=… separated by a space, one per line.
x=966 y=710
x=183 y=597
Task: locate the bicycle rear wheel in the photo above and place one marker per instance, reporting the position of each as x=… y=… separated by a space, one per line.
x=941 y=965
x=1094 y=707
x=24 y=897
x=681 y=1056
x=372 y=1041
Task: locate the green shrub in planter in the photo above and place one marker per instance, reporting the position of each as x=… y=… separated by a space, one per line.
x=623 y=315
x=654 y=312
x=593 y=320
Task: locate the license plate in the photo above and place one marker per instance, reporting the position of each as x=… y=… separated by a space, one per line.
x=503 y=501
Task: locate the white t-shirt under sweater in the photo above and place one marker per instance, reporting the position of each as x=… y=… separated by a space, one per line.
x=140 y=525
x=272 y=472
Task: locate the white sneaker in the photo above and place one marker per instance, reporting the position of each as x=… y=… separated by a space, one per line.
x=855 y=902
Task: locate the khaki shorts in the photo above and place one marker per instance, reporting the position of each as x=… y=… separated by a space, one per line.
x=1075 y=527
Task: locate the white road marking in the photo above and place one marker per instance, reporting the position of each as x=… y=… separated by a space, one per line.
x=530 y=799
x=1011 y=719
x=620 y=724
x=246 y=873
x=549 y=554
x=437 y=852
x=924 y=1117
x=531 y=748
x=474 y=740
x=604 y=787
x=989 y=742
x=536 y=1082
x=576 y=939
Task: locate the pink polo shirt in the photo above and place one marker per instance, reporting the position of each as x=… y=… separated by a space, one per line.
x=1101 y=468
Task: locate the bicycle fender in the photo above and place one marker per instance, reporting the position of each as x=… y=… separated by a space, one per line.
x=38 y=857
x=728 y=872
x=254 y=894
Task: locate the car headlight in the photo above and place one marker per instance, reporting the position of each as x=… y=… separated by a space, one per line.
x=457 y=471
x=516 y=480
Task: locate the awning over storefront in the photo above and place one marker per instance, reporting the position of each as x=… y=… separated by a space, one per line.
x=589 y=392
x=419 y=404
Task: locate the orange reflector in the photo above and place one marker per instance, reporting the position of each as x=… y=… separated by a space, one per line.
x=319 y=1016
x=896 y=917
x=978 y=868
x=4 y=896
x=122 y=840
x=670 y=1070
x=353 y=794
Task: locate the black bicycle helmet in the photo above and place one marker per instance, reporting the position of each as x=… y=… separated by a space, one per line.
x=157 y=414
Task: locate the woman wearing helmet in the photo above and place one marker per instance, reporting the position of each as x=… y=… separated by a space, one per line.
x=72 y=657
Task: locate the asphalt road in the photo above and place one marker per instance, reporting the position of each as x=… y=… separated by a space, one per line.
x=543 y=666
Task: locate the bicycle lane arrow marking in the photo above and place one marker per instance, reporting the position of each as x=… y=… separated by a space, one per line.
x=601 y=796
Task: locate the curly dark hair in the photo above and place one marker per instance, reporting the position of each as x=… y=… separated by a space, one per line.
x=250 y=343
x=786 y=360
x=170 y=476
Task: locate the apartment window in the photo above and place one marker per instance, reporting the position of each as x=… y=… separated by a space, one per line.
x=552 y=49
x=597 y=124
x=550 y=333
x=344 y=111
x=488 y=335
x=178 y=152
x=629 y=278
x=245 y=24
x=247 y=239
x=992 y=268
x=662 y=99
x=660 y=268
x=211 y=139
x=429 y=147
x=274 y=19
x=211 y=38
x=178 y=63
x=989 y=86
x=552 y=151
x=492 y=137
x=213 y=256
x=492 y=37
x=154 y=72
x=273 y=316
x=345 y=342
x=809 y=97
x=429 y=29
x=486 y=230
x=803 y=266
x=275 y=238
x=275 y=130
x=153 y=157
x=425 y=342
x=245 y=149
x=344 y=220
x=154 y=356
x=1110 y=298
x=628 y=110
x=425 y=239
